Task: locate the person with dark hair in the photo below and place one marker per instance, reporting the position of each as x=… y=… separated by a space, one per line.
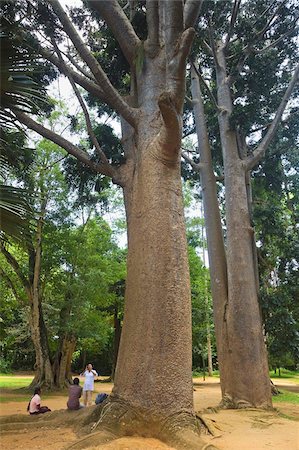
x=34 y=406
x=75 y=391
x=88 y=386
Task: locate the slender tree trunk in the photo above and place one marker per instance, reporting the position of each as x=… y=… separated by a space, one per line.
x=215 y=242
x=116 y=342
x=245 y=353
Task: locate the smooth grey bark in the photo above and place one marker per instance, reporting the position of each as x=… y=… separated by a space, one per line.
x=215 y=242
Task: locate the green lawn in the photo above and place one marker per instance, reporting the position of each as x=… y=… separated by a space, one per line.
x=286 y=396
x=285 y=374
x=14 y=381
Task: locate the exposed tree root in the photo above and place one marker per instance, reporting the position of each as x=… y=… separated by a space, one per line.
x=228 y=402
x=115 y=419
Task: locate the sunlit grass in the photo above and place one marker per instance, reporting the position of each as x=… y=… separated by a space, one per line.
x=14 y=381
x=285 y=374
x=286 y=396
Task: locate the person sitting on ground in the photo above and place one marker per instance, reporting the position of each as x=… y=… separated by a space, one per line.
x=75 y=392
x=34 y=406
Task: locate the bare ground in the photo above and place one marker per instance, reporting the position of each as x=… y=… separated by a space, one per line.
x=233 y=429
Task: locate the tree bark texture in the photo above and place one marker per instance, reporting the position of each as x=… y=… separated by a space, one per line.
x=43 y=370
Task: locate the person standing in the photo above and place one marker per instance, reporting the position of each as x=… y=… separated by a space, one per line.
x=88 y=387
x=75 y=391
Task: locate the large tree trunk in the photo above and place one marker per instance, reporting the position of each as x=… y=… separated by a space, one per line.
x=43 y=370
x=66 y=346
x=62 y=362
x=245 y=357
x=153 y=392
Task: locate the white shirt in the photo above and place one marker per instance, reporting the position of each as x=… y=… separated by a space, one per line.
x=89 y=380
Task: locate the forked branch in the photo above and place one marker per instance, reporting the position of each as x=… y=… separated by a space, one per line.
x=62 y=142
x=191 y=12
x=117 y=21
x=259 y=152
x=112 y=96
x=90 y=131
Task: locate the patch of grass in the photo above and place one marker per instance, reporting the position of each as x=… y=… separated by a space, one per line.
x=14 y=399
x=285 y=374
x=286 y=396
x=14 y=382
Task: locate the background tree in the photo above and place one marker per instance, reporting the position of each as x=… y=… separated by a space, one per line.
x=232 y=57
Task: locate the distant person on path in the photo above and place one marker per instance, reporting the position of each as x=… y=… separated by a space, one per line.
x=75 y=392
x=34 y=406
x=88 y=387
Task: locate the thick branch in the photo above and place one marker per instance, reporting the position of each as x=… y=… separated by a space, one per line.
x=16 y=267
x=10 y=284
x=152 y=19
x=170 y=134
x=174 y=25
x=117 y=21
x=194 y=165
x=59 y=140
x=191 y=12
x=86 y=83
x=177 y=68
x=92 y=136
x=112 y=96
x=259 y=153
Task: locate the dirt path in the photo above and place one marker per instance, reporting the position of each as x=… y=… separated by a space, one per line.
x=238 y=430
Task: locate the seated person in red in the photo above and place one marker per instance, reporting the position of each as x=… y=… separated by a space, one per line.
x=34 y=406
x=75 y=392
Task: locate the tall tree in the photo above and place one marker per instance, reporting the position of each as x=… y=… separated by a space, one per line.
x=233 y=57
x=156 y=335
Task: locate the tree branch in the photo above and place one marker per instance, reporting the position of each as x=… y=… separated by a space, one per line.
x=202 y=80
x=11 y=285
x=92 y=136
x=63 y=143
x=233 y=19
x=117 y=21
x=196 y=166
x=16 y=267
x=259 y=153
x=174 y=25
x=112 y=96
x=86 y=83
x=191 y=12
x=78 y=67
x=152 y=19
x=294 y=30
x=177 y=67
